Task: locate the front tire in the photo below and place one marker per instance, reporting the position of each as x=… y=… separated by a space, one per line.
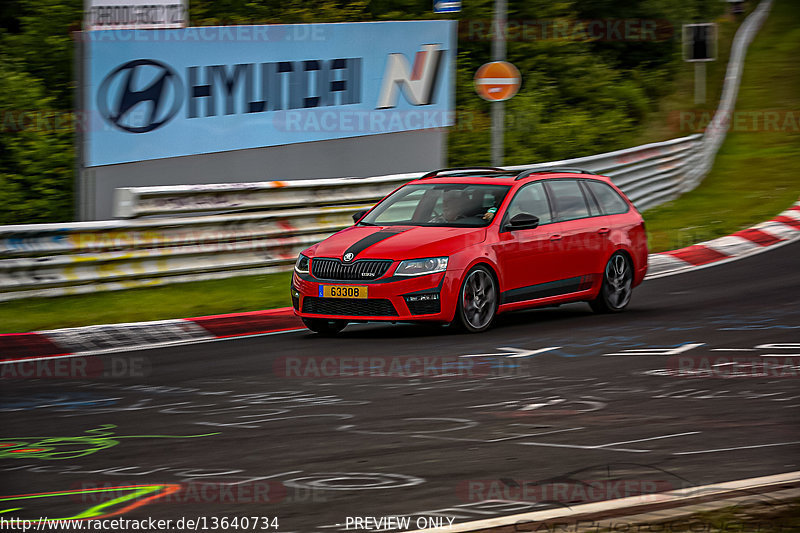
x=477 y=300
x=326 y=328
x=615 y=293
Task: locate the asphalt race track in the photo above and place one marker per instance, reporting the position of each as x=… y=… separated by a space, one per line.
x=553 y=400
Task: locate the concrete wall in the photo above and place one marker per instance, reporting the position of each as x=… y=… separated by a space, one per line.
x=373 y=155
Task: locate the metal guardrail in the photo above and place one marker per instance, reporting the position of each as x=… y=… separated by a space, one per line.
x=715 y=133
x=186 y=233
x=643 y=171
x=132 y=202
x=57 y=259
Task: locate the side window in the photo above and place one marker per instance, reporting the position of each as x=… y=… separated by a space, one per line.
x=594 y=208
x=403 y=209
x=531 y=199
x=610 y=201
x=568 y=202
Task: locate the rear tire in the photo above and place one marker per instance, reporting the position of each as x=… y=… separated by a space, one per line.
x=477 y=301
x=615 y=293
x=326 y=328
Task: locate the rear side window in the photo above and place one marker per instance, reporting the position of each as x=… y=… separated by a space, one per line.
x=610 y=201
x=568 y=201
x=594 y=207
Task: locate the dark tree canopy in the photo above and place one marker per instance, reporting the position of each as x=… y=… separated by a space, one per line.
x=578 y=96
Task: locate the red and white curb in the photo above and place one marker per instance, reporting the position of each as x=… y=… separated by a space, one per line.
x=110 y=338
x=781 y=230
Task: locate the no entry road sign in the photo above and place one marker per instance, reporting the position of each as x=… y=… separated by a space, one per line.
x=497 y=81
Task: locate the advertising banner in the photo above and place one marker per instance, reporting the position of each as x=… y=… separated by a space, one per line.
x=165 y=93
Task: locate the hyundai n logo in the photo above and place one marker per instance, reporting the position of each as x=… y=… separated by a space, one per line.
x=418 y=83
x=140 y=96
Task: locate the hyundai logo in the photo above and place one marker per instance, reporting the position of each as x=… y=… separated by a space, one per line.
x=140 y=96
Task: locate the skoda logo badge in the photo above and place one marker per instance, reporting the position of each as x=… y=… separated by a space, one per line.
x=348 y=256
x=140 y=96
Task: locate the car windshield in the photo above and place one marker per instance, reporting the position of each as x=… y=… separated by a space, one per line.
x=444 y=204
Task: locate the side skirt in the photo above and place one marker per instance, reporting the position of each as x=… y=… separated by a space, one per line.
x=546 y=290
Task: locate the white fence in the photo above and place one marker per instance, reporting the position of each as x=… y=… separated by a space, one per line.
x=186 y=233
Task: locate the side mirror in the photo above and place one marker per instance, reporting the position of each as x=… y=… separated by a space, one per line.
x=522 y=221
x=358 y=215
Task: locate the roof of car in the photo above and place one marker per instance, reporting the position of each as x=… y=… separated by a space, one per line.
x=503 y=176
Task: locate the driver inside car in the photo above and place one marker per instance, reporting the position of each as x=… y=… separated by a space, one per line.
x=454 y=205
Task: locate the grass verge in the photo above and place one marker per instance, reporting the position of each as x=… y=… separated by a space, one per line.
x=755 y=173
x=754 y=178
x=197 y=298
x=773 y=517
x=666 y=122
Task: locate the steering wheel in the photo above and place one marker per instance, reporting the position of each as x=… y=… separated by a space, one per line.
x=436 y=217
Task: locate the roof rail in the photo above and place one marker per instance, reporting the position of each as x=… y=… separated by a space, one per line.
x=528 y=171
x=435 y=173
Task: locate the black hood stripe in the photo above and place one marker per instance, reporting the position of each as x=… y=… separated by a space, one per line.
x=369 y=240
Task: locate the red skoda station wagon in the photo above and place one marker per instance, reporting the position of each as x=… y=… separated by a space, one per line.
x=459 y=246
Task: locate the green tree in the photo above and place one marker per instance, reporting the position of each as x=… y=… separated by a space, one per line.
x=37 y=163
x=578 y=96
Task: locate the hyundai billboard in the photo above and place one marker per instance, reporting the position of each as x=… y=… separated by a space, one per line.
x=164 y=93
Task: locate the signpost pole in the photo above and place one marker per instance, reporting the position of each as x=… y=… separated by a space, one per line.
x=78 y=68
x=699 y=47
x=700 y=82
x=498 y=54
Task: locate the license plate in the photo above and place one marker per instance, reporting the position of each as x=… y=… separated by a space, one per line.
x=342 y=291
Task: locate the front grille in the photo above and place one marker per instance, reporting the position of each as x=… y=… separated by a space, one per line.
x=348 y=306
x=361 y=270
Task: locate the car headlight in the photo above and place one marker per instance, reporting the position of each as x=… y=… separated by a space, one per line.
x=418 y=267
x=301 y=266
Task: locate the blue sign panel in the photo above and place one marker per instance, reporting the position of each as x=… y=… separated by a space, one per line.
x=446 y=6
x=163 y=93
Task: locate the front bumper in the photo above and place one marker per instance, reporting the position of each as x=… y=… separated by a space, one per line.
x=419 y=298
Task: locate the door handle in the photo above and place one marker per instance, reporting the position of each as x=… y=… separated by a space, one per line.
x=603 y=231
x=555 y=237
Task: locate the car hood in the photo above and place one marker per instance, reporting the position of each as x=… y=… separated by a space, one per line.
x=398 y=242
